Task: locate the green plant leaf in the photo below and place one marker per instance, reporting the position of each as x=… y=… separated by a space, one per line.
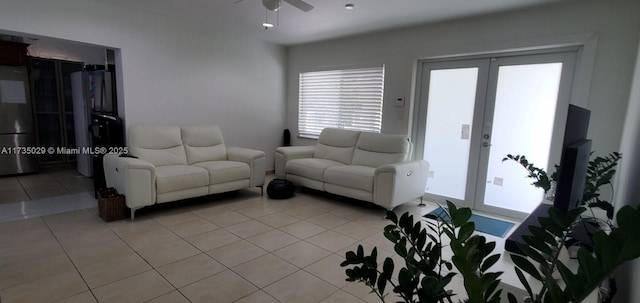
x=391 y=234
x=588 y=263
x=571 y=280
x=459 y=216
x=543 y=235
x=360 y=252
x=466 y=230
x=387 y=267
x=406 y=220
x=628 y=217
x=523 y=281
x=422 y=240
x=381 y=284
x=538 y=244
x=391 y=216
x=551 y=226
x=401 y=248
x=554 y=293
x=606 y=250
x=488 y=262
x=527 y=266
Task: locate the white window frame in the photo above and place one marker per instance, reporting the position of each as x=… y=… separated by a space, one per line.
x=343 y=98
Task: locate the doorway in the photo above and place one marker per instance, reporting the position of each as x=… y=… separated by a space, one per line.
x=474 y=112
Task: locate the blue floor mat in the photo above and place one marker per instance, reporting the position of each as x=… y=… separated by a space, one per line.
x=485 y=225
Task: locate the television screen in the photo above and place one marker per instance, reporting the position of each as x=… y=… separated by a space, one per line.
x=572 y=175
x=574 y=159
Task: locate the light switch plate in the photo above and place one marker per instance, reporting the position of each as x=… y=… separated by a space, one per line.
x=465 y=132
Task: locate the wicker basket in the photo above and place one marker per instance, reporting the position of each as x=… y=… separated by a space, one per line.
x=111 y=205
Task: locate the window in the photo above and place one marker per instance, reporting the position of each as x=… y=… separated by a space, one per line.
x=348 y=98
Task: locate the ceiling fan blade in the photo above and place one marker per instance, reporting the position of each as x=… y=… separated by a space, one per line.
x=301 y=5
x=237 y=1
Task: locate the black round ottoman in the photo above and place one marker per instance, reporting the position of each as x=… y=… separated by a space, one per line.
x=280 y=189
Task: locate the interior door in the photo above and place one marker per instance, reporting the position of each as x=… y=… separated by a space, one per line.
x=472 y=113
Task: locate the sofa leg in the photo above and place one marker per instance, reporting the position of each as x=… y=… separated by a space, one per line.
x=421 y=203
x=261 y=190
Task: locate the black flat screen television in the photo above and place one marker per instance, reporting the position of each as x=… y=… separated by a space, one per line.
x=572 y=173
x=574 y=161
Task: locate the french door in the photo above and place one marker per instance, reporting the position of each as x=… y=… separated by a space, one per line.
x=474 y=112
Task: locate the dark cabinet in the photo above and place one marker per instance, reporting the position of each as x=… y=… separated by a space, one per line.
x=53 y=106
x=13 y=53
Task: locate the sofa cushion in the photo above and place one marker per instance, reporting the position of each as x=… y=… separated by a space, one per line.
x=203 y=143
x=309 y=167
x=336 y=144
x=225 y=171
x=158 y=145
x=353 y=176
x=179 y=177
x=379 y=149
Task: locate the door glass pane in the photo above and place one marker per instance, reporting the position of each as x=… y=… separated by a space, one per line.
x=523 y=120
x=45 y=89
x=49 y=135
x=452 y=95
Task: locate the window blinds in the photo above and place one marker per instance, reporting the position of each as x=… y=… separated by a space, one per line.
x=349 y=99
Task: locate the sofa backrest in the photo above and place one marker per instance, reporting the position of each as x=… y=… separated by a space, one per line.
x=159 y=145
x=336 y=144
x=203 y=143
x=374 y=149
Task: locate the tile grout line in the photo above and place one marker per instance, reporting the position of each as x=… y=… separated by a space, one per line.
x=66 y=253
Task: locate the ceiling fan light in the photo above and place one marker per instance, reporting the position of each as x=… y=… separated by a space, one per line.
x=349 y=6
x=267 y=25
x=272 y=5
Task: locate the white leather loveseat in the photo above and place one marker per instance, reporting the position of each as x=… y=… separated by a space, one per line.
x=169 y=163
x=361 y=165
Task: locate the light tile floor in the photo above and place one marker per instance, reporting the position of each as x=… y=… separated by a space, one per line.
x=238 y=247
x=48 y=183
x=51 y=191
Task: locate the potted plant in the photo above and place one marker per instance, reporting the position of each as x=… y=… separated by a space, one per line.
x=600 y=172
x=425 y=274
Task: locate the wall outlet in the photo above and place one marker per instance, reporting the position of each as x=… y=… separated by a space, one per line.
x=399 y=102
x=498 y=181
x=430 y=174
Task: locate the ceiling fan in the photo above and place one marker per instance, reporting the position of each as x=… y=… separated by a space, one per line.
x=274 y=5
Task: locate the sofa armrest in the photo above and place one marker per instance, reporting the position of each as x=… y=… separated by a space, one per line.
x=398 y=183
x=286 y=153
x=132 y=177
x=255 y=159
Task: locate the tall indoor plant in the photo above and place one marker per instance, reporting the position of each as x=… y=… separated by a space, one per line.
x=425 y=274
x=600 y=172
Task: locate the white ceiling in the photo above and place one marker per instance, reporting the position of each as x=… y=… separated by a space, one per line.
x=328 y=19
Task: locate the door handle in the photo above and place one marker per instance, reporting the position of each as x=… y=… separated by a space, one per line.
x=486 y=144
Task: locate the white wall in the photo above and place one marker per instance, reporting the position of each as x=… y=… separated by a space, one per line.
x=628 y=191
x=172 y=72
x=614 y=26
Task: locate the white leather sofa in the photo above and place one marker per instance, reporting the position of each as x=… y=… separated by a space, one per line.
x=361 y=165
x=171 y=163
